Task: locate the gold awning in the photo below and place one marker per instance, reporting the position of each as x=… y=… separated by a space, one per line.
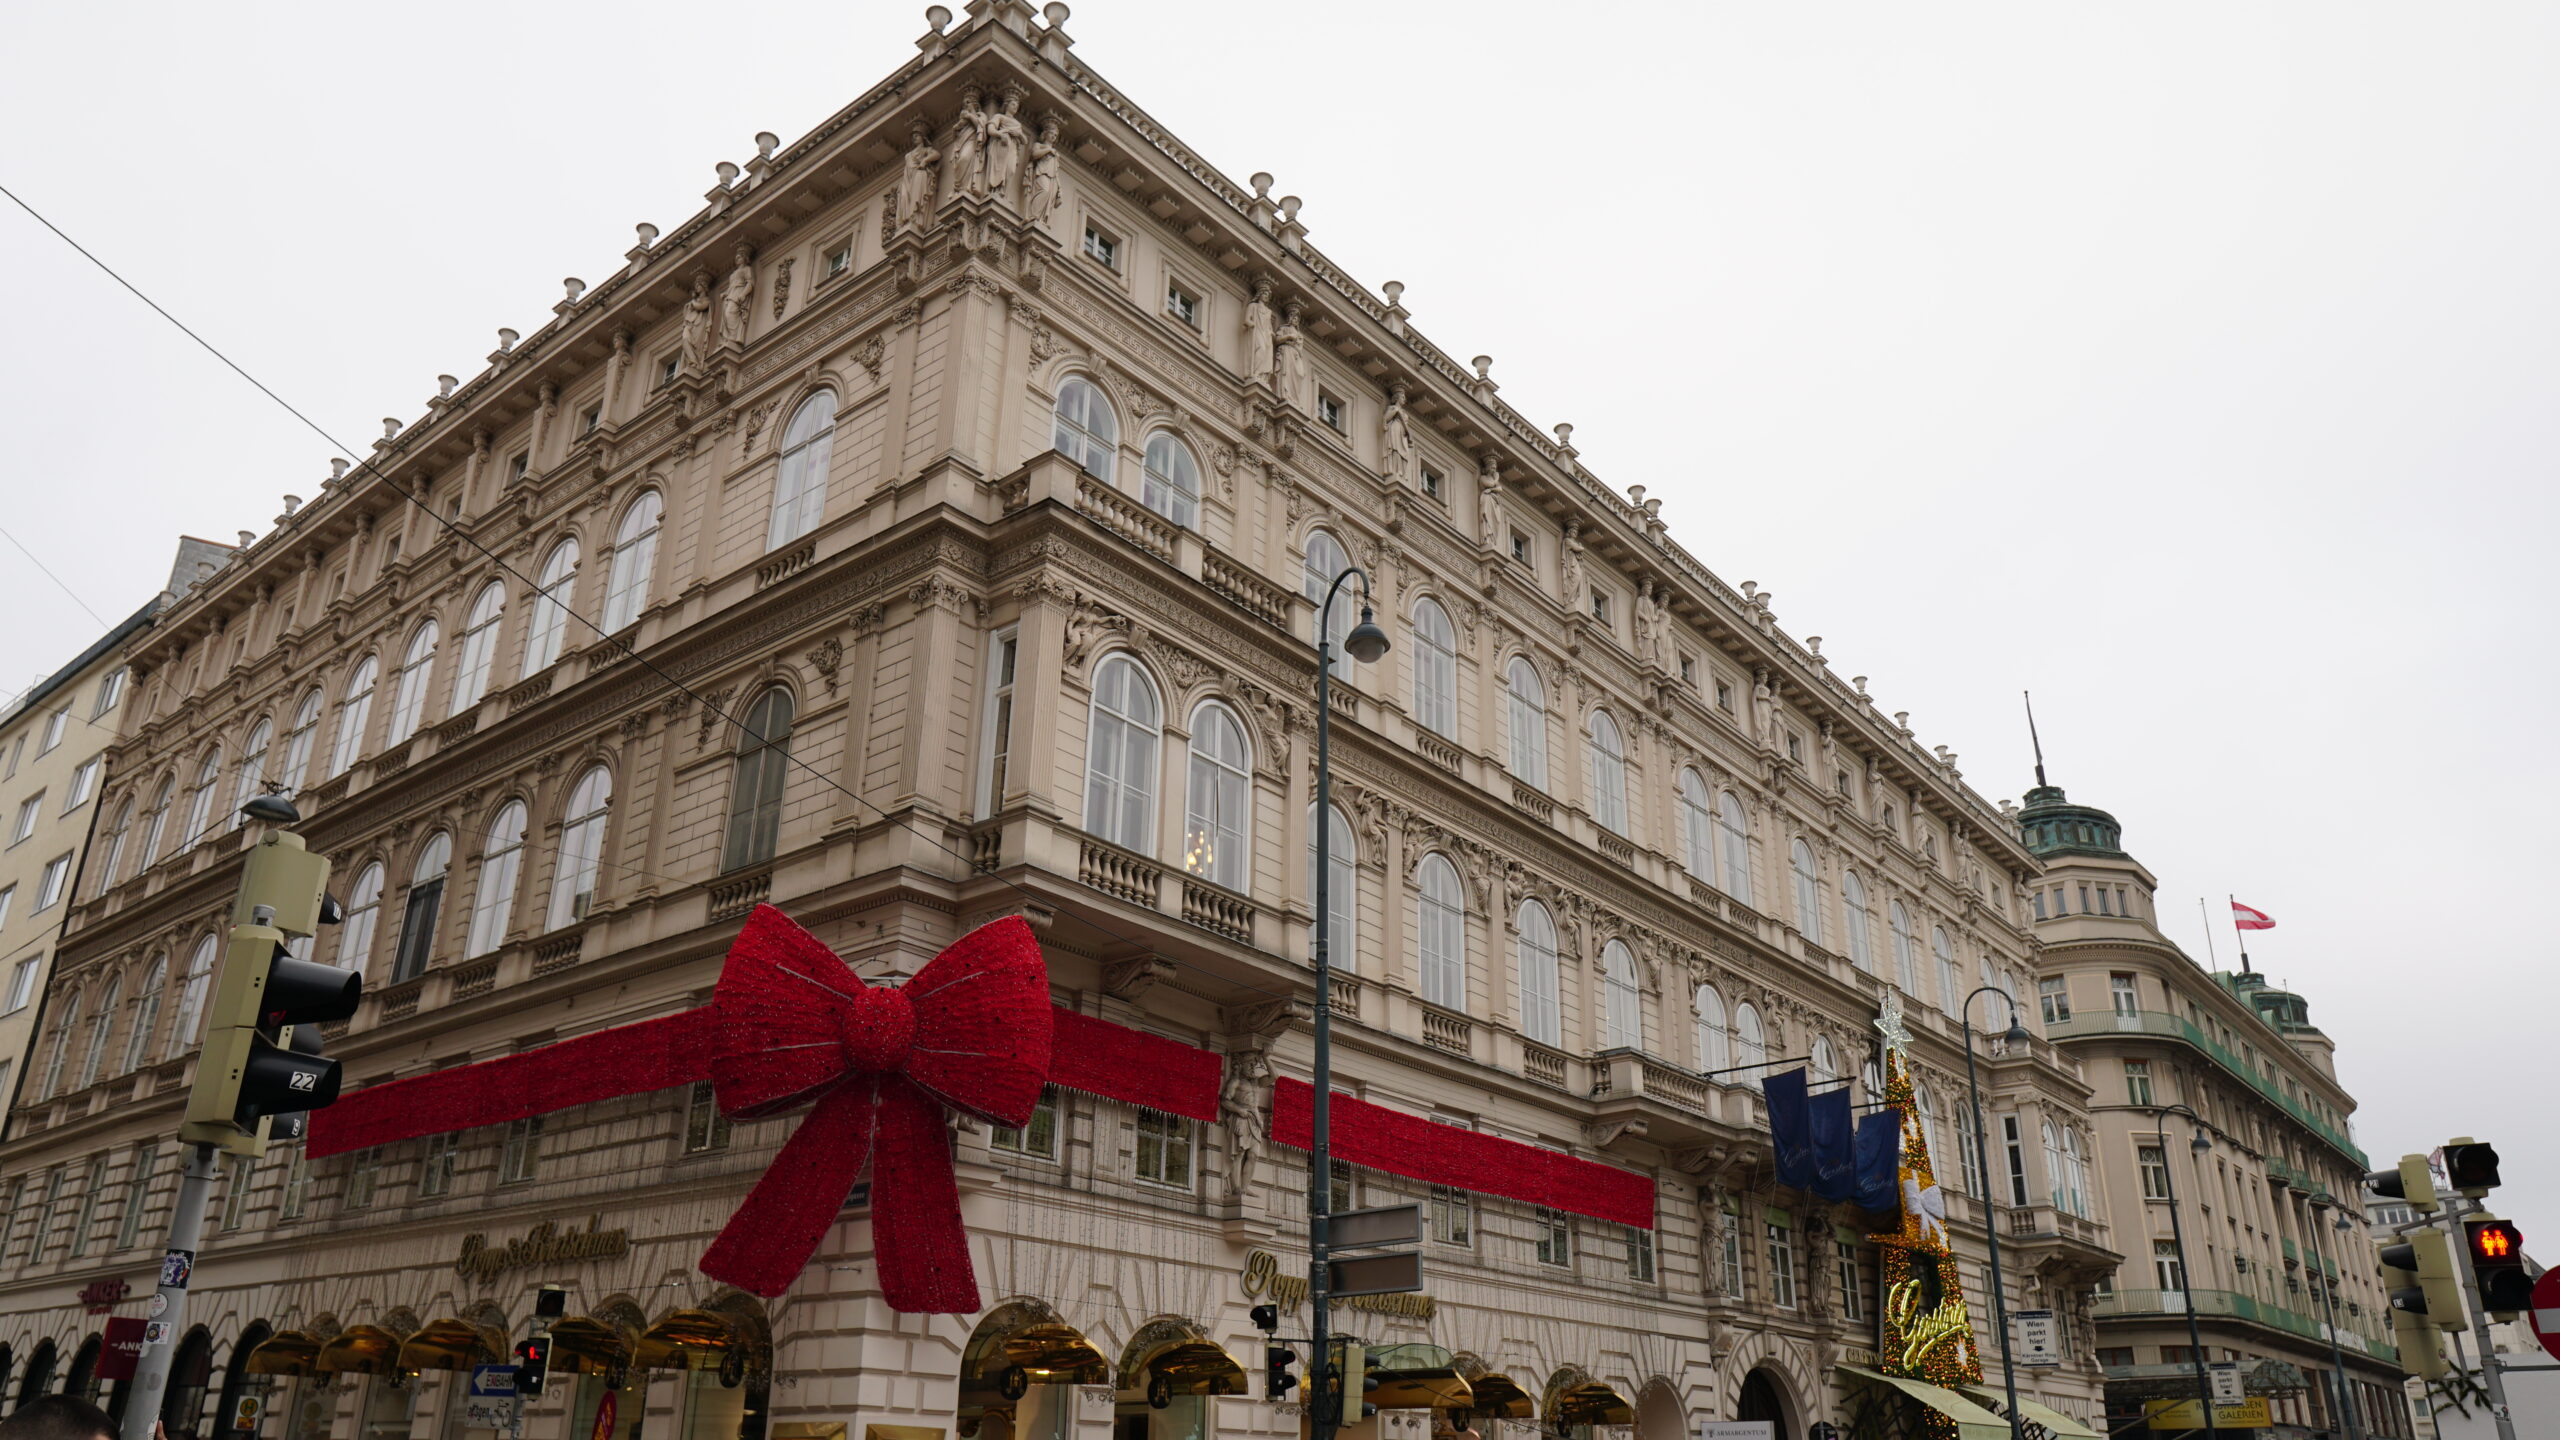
x=1592 y=1402
x=2044 y=1415
x=289 y=1353
x=1433 y=1387
x=451 y=1344
x=585 y=1345
x=1499 y=1397
x=359 y=1350
x=1972 y=1421
x=1197 y=1367
x=685 y=1340
x=1056 y=1355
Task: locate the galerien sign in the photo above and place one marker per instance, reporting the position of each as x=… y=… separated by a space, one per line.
x=545 y=1244
x=1264 y=1279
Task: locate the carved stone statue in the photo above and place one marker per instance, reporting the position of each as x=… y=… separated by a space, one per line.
x=1293 y=375
x=1004 y=146
x=1641 y=615
x=739 y=297
x=1574 y=587
x=1764 y=712
x=1248 y=1128
x=1395 y=438
x=1040 y=192
x=966 y=174
x=1257 y=333
x=1489 y=504
x=694 y=346
x=916 y=183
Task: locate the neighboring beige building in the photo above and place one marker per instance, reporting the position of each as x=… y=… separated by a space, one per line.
x=971 y=481
x=2265 y=1262
x=53 y=765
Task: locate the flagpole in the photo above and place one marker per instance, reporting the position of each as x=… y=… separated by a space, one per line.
x=2238 y=934
x=2204 y=917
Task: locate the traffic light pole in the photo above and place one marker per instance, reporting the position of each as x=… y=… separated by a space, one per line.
x=2489 y=1375
x=169 y=1302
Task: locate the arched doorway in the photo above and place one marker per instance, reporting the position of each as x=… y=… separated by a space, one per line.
x=237 y=1382
x=1659 y=1415
x=7 y=1362
x=39 y=1376
x=1764 y=1398
x=190 y=1376
x=82 y=1378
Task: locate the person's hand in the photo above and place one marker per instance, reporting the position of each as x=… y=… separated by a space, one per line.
x=159 y=1430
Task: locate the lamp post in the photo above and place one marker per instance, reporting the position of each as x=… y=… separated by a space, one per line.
x=1365 y=642
x=2178 y=1238
x=2016 y=1034
x=2345 y=1410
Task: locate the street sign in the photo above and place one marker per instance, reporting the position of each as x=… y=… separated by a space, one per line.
x=1737 y=1430
x=2039 y=1339
x=604 y=1417
x=1394 y=1273
x=2545 y=1314
x=123 y=1347
x=245 y=1412
x=2187 y=1416
x=1386 y=1225
x=2224 y=1376
x=491 y=1403
x=492 y=1381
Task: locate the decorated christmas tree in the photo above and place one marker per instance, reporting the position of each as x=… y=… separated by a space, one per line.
x=1925 y=1332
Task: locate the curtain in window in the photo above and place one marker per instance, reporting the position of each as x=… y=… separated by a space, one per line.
x=756 y=781
x=1622 y=1003
x=501 y=861
x=1528 y=699
x=1214 y=843
x=1435 y=670
x=1541 y=1017
x=1441 y=917
x=800 y=482
x=1120 y=756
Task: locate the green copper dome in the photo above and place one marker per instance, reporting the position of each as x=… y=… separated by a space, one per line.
x=2055 y=826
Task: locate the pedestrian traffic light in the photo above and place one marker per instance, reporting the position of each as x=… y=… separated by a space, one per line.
x=2425 y=1258
x=2471 y=1165
x=256 y=1062
x=1277 y=1381
x=533 y=1365
x=2497 y=1265
x=2412 y=1182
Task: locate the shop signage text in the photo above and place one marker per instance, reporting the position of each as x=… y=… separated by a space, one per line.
x=1264 y=1279
x=545 y=1244
x=100 y=1295
x=1924 y=1331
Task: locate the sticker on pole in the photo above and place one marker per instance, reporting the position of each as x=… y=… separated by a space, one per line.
x=176 y=1267
x=2545 y=1314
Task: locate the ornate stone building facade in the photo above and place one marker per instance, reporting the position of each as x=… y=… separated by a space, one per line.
x=923 y=533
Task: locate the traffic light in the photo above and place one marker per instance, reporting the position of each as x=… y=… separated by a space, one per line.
x=261 y=1051
x=2497 y=1265
x=2412 y=1182
x=2472 y=1166
x=2426 y=1257
x=1266 y=1318
x=2421 y=1345
x=533 y=1365
x=1277 y=1382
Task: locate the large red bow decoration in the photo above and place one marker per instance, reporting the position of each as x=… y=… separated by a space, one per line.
x=791 y=1023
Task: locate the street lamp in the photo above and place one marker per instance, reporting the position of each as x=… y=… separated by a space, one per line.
x=2329 y=1305
x=2015 y=1035
x=2200 y=1146
x=1366 y=642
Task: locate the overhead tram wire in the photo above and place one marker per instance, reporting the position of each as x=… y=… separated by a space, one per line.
x=31 y=555
x=532 y=587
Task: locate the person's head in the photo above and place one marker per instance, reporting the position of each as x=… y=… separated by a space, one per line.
x=58 y=1417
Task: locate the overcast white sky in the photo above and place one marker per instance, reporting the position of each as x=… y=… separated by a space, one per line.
x=2190 y=364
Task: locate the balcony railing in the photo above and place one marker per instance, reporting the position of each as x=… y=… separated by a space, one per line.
x=738 y=894
x=1444 y=1031
x=1256 y=596
x=1542 y=1064
x=1534 y=800
x=1213 y=907
x=1124 y=874
x=1440 y=752
x=1125 y=517
x=2232 y=1305
x=2178 y=1027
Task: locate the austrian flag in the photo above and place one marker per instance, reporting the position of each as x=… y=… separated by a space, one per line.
x=2244 y=917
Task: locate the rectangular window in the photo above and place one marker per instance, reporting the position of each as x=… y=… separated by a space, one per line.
x=839 y=260
x=1432 y=483
x=669 y=366
x=84 y=783
x=2125 y=993
x=1006 y=649
x=50 y=885
x=1639 y=1255
x=235 y=1196
x=705 y=1128
x=1600 y=608
x=53 y=727
x=85 y=1217
x=1343 y=1194
x=440 y=1154
x=2165 y=1266
x=1182 y=305
x=1555 y=1237
x=16 y=748
x=1329 y=410
x=1795 y=747
x=1453 y=1216
x=296 y=1196
x=2153 y=1160
x=110 y=693
x=1520 y=550
x=2039 y=899
x=363 y=1168
x=29 y=811
x=1732 y=1249
x=592 y=421
x=1782 y=1265
x=2017 y=1160
x=1164 y=1148
x=1851 y=1297
x=137 y=1196
x=2115 y=1354
x=522 y=1152
x=2053 y=993
x=1724 y=696
x=1039 y=1136
x=1689 y=677
x=523 y=460
x=1102 y=248
x=2137 y=1082
x=8 y=895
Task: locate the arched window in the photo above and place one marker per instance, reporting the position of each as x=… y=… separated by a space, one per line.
x=1326 y=559
x=157 y=824
x=409 y=687
x=573 y=880
x=1342 y=887
x=800 y=484
x=1925 y=1101
x=1715 y=1049
x=1853 y=898
x=2075 y=1173
x=2053 y=1175
x=1697 y=828
x=1750 y=1041
x=635 y=555
x=1608 y=774
x=299 y=738
x=479 y=647
x=1120 y=756
x=1172 y=487
x=1906 y=961
x=364 y=918
x=191 y=995
x=199 y=816
x=117 y=834
x=1087 y=431
x=1528 y=723
x=355 y=712
x=253 y=769
x=146 y=1014
x=1808 y=892
x=424 y=911
x=1214 y=839
x=1440 y=914
x=63 y=1030
x=756 y=781
x=1621 y=1003
x=553 y=597
x=1822 y=1062
x=101 y=1027
x=1541 y=1013
x=501 y=860
x=1435 y=670
x=1969 y=1148
x=1950 y=975
x=1737 y=846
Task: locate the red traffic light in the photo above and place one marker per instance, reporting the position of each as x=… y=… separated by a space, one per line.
x=2494 y=1243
